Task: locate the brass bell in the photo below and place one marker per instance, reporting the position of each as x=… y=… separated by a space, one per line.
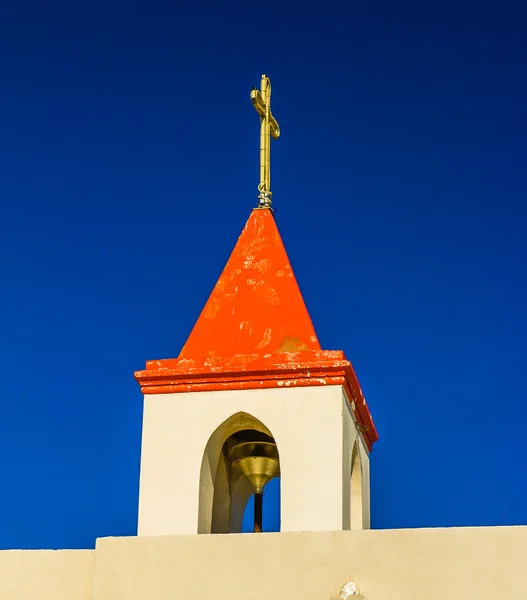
x=258 y=462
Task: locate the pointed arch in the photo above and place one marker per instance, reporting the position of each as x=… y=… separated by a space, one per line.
x=224 y=492
x=356 y=509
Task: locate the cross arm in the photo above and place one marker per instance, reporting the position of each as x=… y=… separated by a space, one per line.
x=259 y=105
x=258 y=102
x=275 y=129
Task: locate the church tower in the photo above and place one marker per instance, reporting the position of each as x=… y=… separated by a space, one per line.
x=252 y=396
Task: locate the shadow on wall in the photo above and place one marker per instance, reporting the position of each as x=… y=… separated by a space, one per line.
x=356 y=509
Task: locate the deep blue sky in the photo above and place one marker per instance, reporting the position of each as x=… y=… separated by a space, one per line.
x=129 y=164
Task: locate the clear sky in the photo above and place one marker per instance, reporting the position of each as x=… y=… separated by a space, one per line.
x=129 y=165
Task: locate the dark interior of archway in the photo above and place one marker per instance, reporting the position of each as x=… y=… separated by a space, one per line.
x=251 y=435
x=245 y=435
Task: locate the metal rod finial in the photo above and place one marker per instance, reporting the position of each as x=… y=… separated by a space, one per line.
x=261 y=100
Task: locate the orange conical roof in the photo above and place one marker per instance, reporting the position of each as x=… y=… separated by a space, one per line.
x=256 y=306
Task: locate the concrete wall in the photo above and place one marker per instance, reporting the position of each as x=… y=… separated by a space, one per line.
x=418 y=564
x=46 y=574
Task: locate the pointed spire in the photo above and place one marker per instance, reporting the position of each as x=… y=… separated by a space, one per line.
x=256 y=306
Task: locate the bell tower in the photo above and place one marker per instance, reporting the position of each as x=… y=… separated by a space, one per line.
x=252 y=396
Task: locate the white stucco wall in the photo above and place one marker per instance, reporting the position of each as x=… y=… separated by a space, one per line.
x=307 y=424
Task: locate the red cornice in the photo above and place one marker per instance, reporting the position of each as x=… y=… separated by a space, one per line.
x=278 y=370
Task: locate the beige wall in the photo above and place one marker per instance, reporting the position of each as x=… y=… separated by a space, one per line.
x=46 y=574
x=412 y=564
x=418 y=564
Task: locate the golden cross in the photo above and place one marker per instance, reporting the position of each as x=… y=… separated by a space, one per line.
x=268 y=127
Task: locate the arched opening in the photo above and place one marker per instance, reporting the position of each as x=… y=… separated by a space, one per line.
x=225 y=488
x=356 y=519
